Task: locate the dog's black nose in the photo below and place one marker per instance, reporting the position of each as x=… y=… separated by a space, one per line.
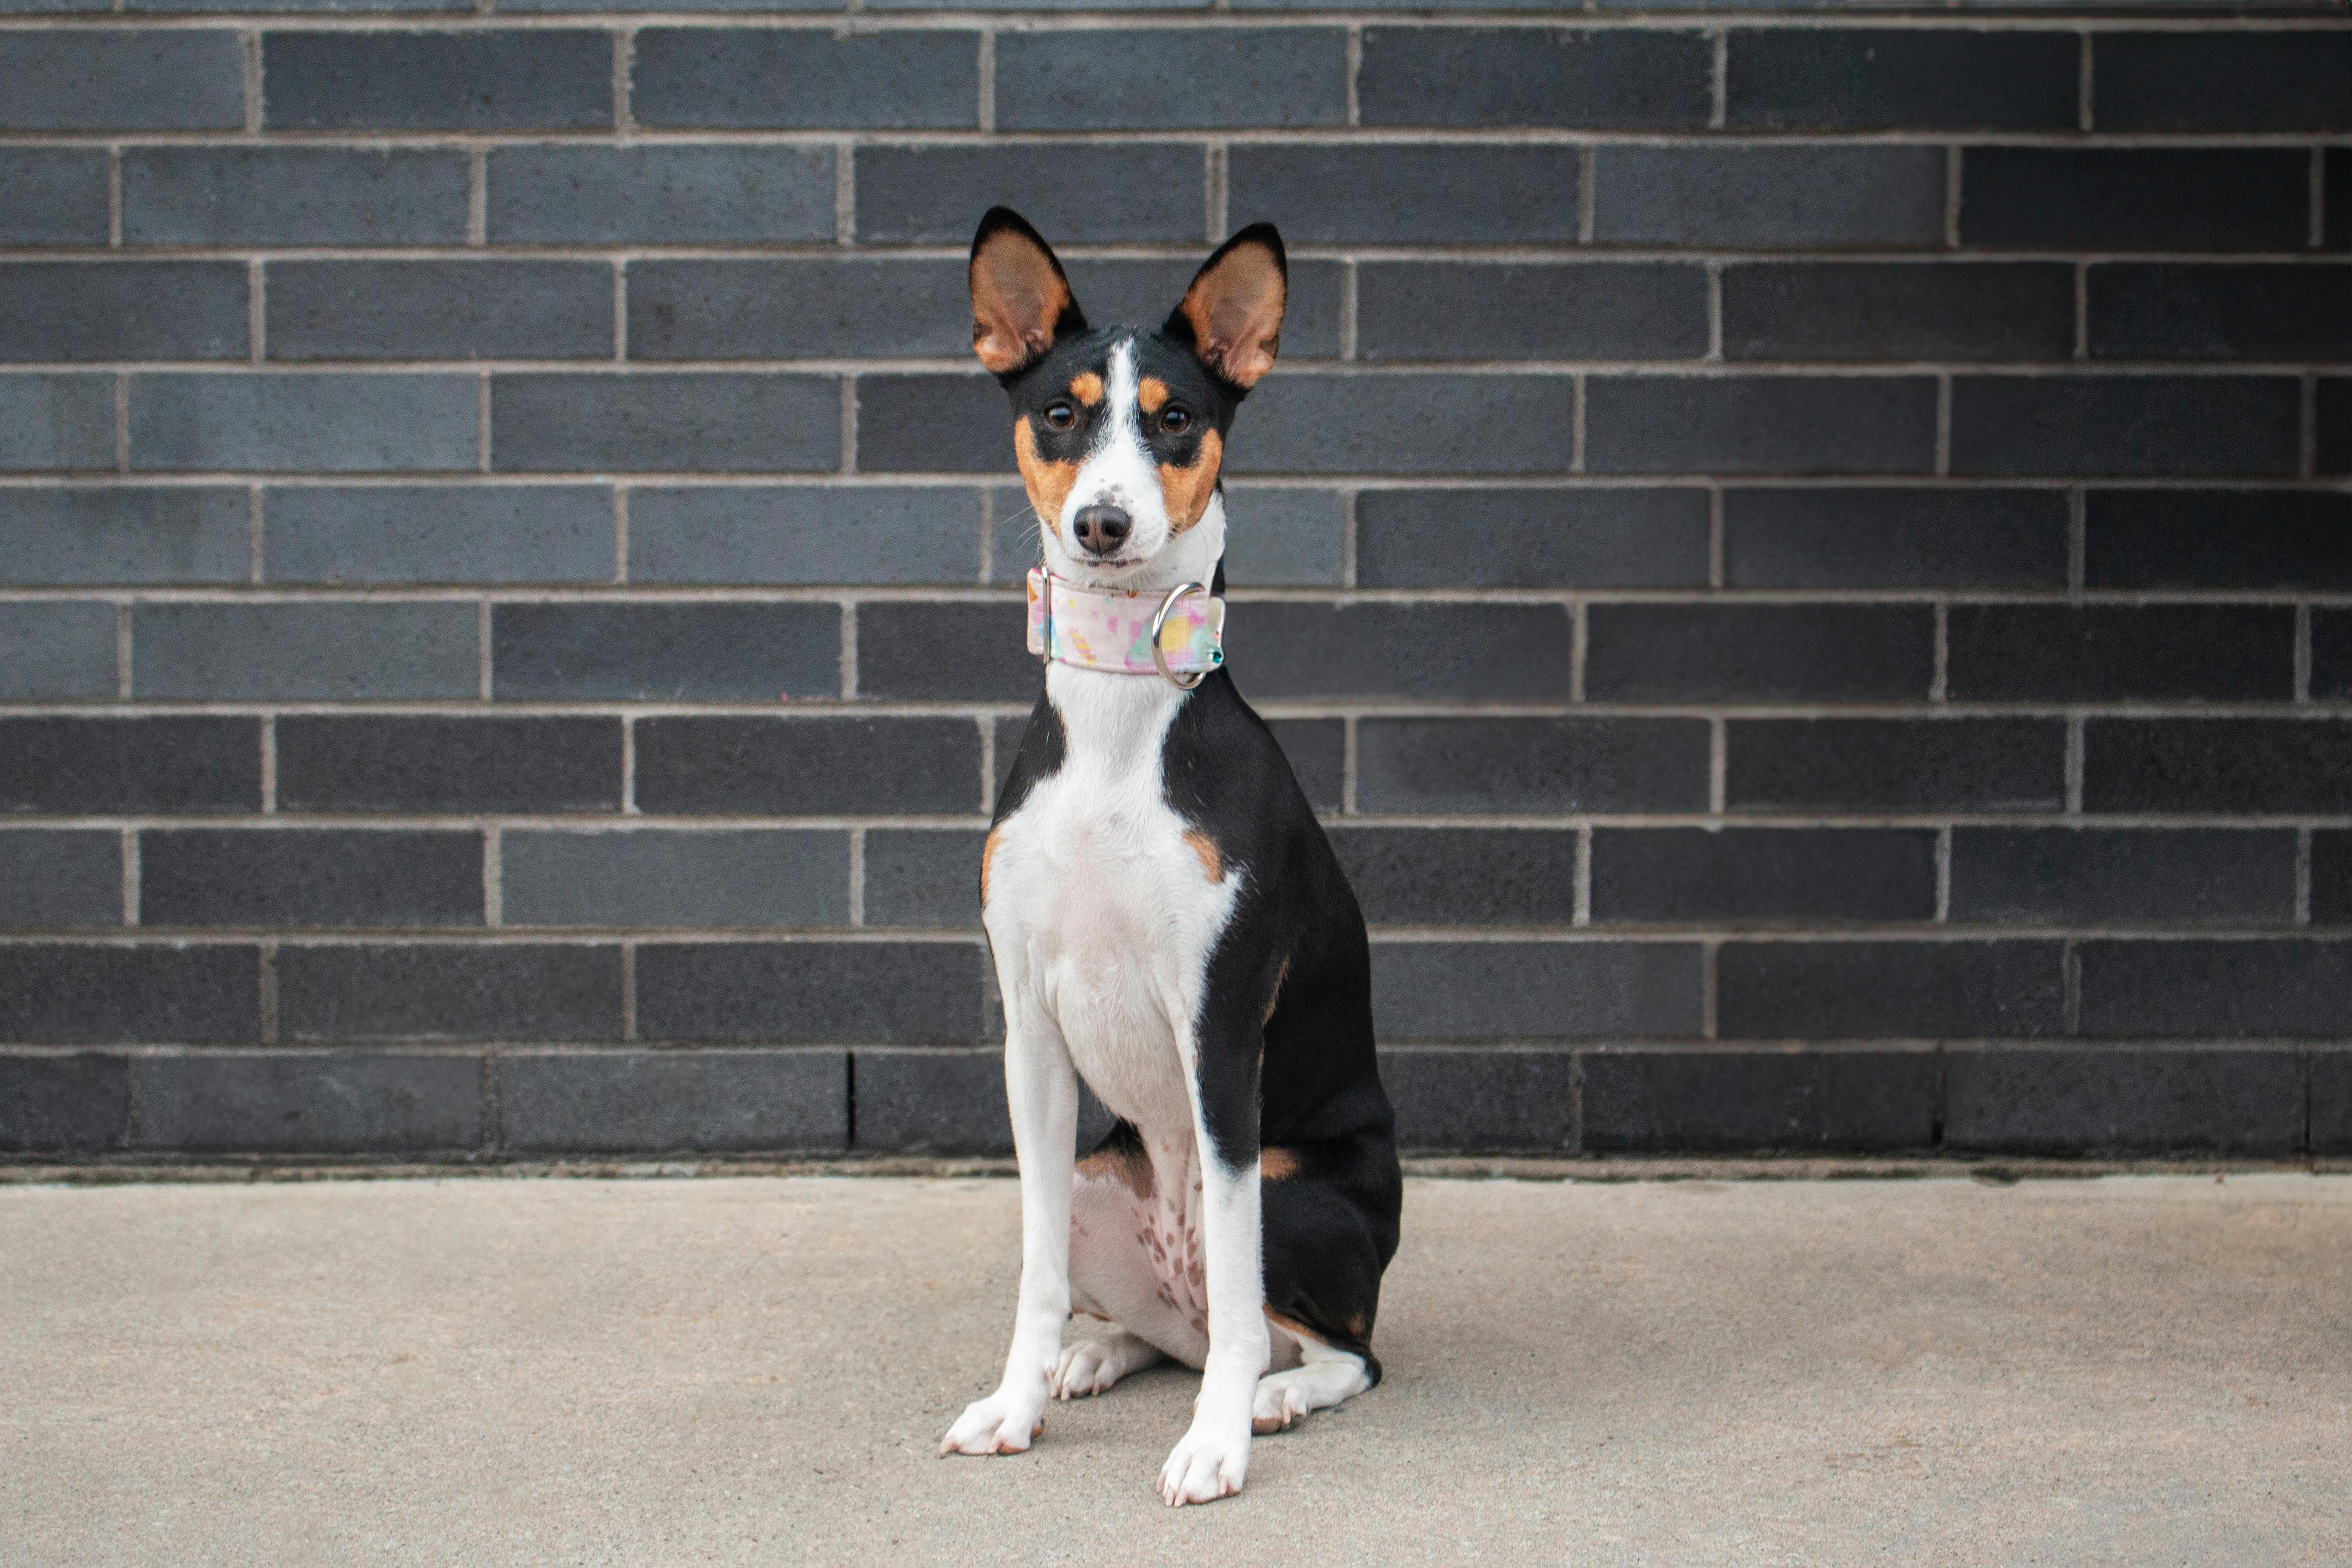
x=1103 y=529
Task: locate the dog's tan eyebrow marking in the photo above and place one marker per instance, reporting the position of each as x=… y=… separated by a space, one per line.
x=1187 y=489
x=1087 y=388
x=1151 y=394
x=1213 y=859
x=1049 y=483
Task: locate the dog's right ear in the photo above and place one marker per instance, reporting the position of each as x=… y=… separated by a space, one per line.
x=1021 y=302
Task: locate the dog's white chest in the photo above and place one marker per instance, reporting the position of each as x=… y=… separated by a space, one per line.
x=1107 y=910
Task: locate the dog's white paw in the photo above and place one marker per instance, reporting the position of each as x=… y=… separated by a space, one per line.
x=996 y=1424
x=1279 y=1401
x=1091 y=1366
x=1203 y=1468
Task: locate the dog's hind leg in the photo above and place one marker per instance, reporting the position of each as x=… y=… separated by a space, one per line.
x=1111 y=1276
x=1324 y=1376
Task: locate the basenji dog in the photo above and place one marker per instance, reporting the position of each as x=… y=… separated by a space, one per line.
x=1166 y=917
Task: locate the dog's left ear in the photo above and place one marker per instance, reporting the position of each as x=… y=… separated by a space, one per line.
x=1021 y=302
x=1231 y=315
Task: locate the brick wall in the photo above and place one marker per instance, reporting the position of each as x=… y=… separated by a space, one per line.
x=1807 y=556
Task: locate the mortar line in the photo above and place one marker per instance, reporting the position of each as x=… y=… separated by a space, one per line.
x=256 y=539
x=268 y=963
x=1582 y=913
x=844 y=192
x=2303 y=875
x=250 y=38
x=1579 y=623
x=493 y=879
x=2307 y=466
x=1944 y=874
x=629 y=991
x=1713 y=313
x=130 y=841
x=477 y=196
x=987 y=534
x=1944 y=423
x=2078 y=542
x=1715 y=536
x=2074 y=765
x=1355 y=73
x=856 y=877
x=2073 y=963
x=849 y=425
x=1710 y=953
x=625 y=43
x=2083 y=104
x=1576 y=424
x=987 y=766
x=1213 y=191
x=1349 y=286
x=1348 y=756
x=2302 y=654
x=1952 y=197
x=122 y=422
x=1585 y=165
x=849 y=649
x=629 y=765
x=2317 y=239
x=1719 y=77
x=482 y=423
x=270 y=764
x=2082 y=310
x=482 y=647
x=620 y=535
x=1719 y=768
x=985 y=110
x=620 y=311
x=114 y=195
x=1938 y=684
x=1349 y=537
x=257 y=316
x=123 y=650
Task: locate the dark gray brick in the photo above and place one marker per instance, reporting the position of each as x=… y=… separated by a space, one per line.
x=656 y=878
x=808 y=766
x=659 y=195
x=61 y=879
x=734 y=533
x=915 y=878
x=2331 y=878
x=1073 y=193
x=61 y=1104
x=349 y=652
x=2088 y=876
x=2248 y=766
x=1788 y=538
x=669 y=423
x=1762 y=876
x=64 y=422
x=2332 y=440
x=2115 y=198
x=1911 y=990
x=56 y=649
x=1497 y=1101
x=540 y=79
x=1534 y=990
x=529 y=6
x=1456 y=311
x=811 y=992
x=1881 y=80
x=308 y=1102
x=2217 y=538
x=1316 y=750
x=2111 y=653
x=2330 y=1108
x=85 y=534
x=449 y=991
x=676 y=652
x=1627 y=80
x=1460 y=876
x=1768 y=195
x=438 y=309
x=1899 y=310
x=2102 y=1101
x=333 y=876
x=798 y=307
x=1141 y=293
x=933 y=424
x=140 y=310
x=748 y=77
x=946 y=653
x=1687 y=653
x=1497 y=653
x=1404 y=194
x=52 y=195
x=1274 y=538
x=77 y=81
x=1896 y=764
x=2331 y=654
x=2216 y=79
x=71 y=993
x=1531 y=764
x=2126 y=425
x=2221 y=311
x=651 y=1102
x=2295 y=985
x=293 y=195
x=74 y=767
x=401 y=534
x=1147 y=79
x=355 y=762
x=308 y=421
x=1759 y=424
x=1406 y=425
x=946 y=1102
x=1673 y=1102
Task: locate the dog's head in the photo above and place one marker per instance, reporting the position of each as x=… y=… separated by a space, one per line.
x=1121 y=432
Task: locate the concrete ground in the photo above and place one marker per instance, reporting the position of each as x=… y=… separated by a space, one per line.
x=2131 y=1370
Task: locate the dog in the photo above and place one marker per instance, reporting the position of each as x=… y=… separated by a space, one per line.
x=1166 y=917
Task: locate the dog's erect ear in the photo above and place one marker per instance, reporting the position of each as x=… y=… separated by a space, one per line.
x=1020 y=301
x=1231 y=314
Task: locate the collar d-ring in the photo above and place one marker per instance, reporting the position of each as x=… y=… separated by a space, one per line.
x=1158 y=654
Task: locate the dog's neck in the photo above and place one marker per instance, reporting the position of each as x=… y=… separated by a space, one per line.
x=1116 y=720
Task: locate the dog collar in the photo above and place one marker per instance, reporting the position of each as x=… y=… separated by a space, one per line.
x=1175 y=635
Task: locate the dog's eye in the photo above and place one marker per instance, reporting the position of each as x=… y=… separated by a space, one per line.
x=1176 y=420
x=1061 y=416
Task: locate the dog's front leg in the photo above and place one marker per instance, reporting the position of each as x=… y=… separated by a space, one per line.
x=1043 y=1089
x=1213 y=1458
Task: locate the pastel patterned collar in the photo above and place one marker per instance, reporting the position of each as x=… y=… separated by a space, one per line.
x=1174 y=635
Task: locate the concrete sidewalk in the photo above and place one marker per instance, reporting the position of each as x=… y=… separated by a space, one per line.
x=2133 y=1370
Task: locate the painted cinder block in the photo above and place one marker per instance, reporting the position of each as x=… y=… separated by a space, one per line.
x=1758 y=424
x=1750 y=1101
x=56 y=422
x=74 y=1102
x=1880 y=990
x=1792 y=194
x=1895 y=765
x=449 y=991
x=1775 y=876
x=753 y=534
x=2116 y=653
x=1534 y=990
x=1403 y=194
x=1501 y=652
x=508 y=80
x=923 y=877
x=2217 y=538
x=1913 y=537
x=2134 y=198
x=293 y=195
x=1460 y=876
x=658 y=194
x=2221 y=81
x=77 y=993
x=1615 y=80
x=2218 y=766
x=758 y=79
x=53 y=196
x=2185 y=425
x=362 y=763
x=70 y=877
x=1882 y=79
x=57 y=648
x=324 y=650
x=308 y=1102
x=364 y=877
x=812 y=766
x=1691 y=653
x=308 y=421
x=1899 y=310
x=654 y=1102
x=1082 y=194
x=1518 y=1102
x=655 y=877
x=2285 y=986
x=1150 y=80
x=92 y=535
x=2109 y=1100
x=1482 y=310
x=733 y=422
x=437 y=533
x=940 y=1103
x=71 y=766
x=1532 y=764
x=438 y=309
x=2075 y=876
x=118 y=79
x=883 y=993
x=2219 y=311
x=664 y=652
x=68 y=311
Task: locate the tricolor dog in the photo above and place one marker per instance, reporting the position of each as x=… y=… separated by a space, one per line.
x=1167 y=919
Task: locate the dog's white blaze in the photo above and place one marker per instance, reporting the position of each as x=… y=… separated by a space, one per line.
x=1119 y=472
